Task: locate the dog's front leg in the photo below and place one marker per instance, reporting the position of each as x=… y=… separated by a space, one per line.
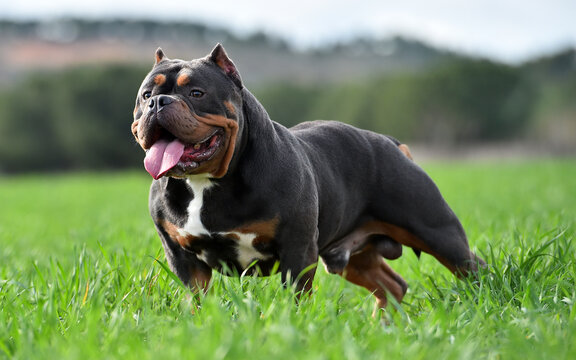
x=193 y=272
x=298 y=259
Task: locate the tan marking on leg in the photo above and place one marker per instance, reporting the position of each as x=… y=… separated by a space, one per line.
x=174 y=233
x=200 y=277
x=200 y=273
x=359 y=238
x=233 y=236
x=407 y=238
x=265 y=230
x=369 y=270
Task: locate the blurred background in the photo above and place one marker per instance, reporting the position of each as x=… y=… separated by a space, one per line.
x=475 y=79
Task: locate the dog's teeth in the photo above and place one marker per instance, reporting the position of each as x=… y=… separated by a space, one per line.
x=197 y=146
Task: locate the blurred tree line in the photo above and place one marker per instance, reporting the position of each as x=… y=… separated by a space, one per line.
x=80 y=118
x=73 y=119
x=461 y=101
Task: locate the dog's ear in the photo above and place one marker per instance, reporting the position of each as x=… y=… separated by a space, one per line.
x=220 y=58
x=160 y=56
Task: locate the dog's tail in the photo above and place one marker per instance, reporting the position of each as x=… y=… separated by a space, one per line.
x=403 y=147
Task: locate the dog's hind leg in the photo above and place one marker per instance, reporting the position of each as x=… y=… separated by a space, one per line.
x=447 y=244
x=369 y=270
x=336 y=256
x=409 y=208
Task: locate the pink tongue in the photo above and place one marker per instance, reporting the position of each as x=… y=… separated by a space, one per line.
x=163 y=156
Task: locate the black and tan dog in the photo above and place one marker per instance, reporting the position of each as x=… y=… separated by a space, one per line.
x=235 y=190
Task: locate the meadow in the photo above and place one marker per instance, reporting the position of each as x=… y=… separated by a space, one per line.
x=83 y=276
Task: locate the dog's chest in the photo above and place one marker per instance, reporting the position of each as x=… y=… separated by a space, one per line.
x=238 y=247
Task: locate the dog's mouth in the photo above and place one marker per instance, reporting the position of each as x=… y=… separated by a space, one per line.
x=172 y=157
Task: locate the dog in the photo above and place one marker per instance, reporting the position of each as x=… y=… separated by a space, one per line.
x=237 y=192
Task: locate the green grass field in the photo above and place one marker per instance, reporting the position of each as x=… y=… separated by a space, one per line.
x=81 y=277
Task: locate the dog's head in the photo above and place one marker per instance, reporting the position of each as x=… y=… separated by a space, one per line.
x=188 y=115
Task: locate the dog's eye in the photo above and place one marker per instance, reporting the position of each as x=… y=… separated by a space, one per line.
x=196 y=93
x=146 y=95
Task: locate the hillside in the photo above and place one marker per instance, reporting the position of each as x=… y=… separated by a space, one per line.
x=67 y=91
x=62 y=43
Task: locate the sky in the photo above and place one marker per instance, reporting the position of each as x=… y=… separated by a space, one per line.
x=506 y=30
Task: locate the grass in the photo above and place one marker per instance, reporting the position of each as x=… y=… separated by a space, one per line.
x=82 y=276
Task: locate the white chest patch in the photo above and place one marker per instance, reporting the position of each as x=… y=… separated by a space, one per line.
x=194 y=224
x=246 y=253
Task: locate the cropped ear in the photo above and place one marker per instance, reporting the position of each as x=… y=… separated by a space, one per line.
x=220 y=58
x=160 y=56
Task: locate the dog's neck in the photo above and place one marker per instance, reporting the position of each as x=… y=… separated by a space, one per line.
x=255 y=124
x=253 y=111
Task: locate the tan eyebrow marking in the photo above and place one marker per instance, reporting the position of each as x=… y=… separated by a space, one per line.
x=183 y=80
x=159 y=79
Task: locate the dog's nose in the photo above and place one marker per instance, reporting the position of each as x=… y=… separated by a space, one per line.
x=159 y=102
